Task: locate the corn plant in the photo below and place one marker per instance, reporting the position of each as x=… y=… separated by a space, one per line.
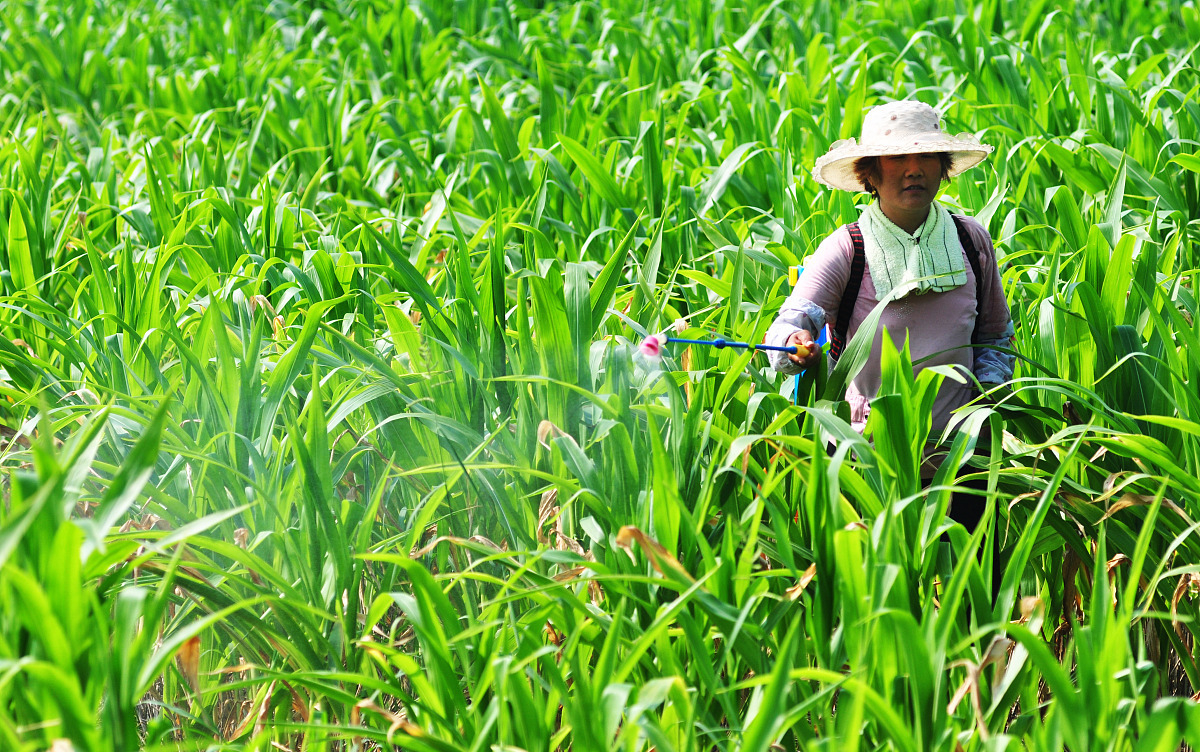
x=323 y=424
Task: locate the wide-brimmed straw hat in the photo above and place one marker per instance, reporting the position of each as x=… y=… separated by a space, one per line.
x=897 y=128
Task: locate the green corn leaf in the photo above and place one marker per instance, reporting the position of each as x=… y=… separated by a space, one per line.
x=1187 y=161
x=765 y=722
x=598 y=178
x=291 y=365
x=20 y=251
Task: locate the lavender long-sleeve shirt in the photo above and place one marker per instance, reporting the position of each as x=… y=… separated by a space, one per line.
x=938 y=324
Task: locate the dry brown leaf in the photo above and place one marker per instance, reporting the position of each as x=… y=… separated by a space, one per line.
x=570 y=574
x=396 y=720
x=566 y=542
x=298 y=706
x=795 y=591
x=1139 y=500
x=189 y=662
x=368 y=646
x=8 y=437
x=547 y=510
x=1033 y=611
x=147 y=522
x=1021 y=497
x=959 y=694
x=261 y=301
x=996 y=653
x=658 y=556
x=1115 y=562
x=1185 y=580
x=485 y=541
x=1061 y=639
x=1111 y=481
x=444 y=539
x=546 y=431
x=1070 y=590
x=154 y=566
x=1126 y=501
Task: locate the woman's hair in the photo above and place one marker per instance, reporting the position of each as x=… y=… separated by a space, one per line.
x=867 y=167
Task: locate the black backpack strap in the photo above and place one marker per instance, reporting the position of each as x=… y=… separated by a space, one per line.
x=850 y=294
x=972 y=252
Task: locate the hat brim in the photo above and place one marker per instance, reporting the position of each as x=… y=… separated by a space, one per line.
x=836 y=168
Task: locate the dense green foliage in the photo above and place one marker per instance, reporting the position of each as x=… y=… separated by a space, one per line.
x=321 y=425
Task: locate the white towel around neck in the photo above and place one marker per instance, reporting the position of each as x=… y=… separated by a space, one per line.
x=930 y=260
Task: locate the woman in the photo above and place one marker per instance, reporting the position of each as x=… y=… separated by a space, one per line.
x=939 y=269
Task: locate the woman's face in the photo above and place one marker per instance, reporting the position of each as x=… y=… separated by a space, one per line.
x=908 y=183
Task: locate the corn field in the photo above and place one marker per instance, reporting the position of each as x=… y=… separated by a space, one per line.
x=323 y=426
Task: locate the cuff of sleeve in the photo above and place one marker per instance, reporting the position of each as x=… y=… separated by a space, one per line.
x=994 y=366
x=779 y=360
x=813 y=315
x=802 y=315
x=990 y=373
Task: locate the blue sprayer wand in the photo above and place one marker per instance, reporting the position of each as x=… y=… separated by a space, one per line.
x=720 y=342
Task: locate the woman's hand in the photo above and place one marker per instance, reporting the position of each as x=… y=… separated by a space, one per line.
x=808 y=352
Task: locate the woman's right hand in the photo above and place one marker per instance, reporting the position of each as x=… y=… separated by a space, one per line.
x=802 y=339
